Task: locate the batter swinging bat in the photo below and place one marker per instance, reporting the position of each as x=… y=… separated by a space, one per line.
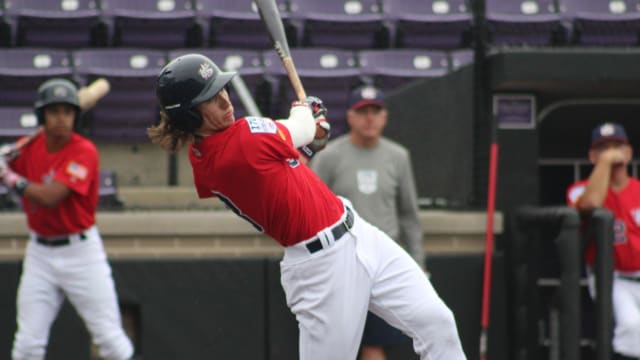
x=88 y=97
x=271 y=17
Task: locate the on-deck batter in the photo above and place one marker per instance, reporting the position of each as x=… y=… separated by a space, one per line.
x=610 y=186
x=335 y=265
x=57 y=176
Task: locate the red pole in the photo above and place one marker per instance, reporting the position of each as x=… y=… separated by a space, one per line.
x=488 y=251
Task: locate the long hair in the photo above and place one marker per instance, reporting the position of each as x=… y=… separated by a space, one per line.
x=167 y=136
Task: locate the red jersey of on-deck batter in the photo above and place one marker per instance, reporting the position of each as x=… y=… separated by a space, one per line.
x=254 y=169
x=76 y=166
x=625 y=206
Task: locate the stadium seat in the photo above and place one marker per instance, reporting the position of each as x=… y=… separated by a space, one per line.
x=162 y=24
x=603 y=23
x=16 y=121
x=524 y=22
x=131 y=106
x=108 y=198
x=237 y=24
x=22 y=70
x=461 y=57
x=354 y=24
x=248 y=64
x=65 y=24
x=327 y=73
x=393 y=68
x=435 y=24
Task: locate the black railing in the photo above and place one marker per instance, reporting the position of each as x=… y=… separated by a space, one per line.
x=548 y=243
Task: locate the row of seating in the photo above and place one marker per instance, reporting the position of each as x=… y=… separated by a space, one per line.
x=352 y=24
x=130 y=107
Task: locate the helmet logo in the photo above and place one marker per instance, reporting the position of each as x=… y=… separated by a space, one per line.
x=206 y=71
x=59 y=91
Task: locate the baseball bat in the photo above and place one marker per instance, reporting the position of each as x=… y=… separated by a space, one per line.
x=271 y=17
x=88 y=97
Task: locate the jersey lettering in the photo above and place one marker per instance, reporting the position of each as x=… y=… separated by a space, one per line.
x=619 y=232
x=258 y=125
x=237 y=211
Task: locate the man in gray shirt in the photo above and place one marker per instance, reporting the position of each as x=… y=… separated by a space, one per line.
x=375 y=173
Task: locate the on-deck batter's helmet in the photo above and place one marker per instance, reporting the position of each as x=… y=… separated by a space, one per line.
x=185 y=82
x=56 y=91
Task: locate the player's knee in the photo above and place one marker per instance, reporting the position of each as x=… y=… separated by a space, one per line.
x=115 y=347
x=28 y=350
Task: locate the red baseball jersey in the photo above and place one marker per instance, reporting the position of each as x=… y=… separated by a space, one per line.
x=254 y=169
x=625 y=206
x=75 y=166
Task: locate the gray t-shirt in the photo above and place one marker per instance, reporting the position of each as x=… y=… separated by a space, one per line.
x=380 y=184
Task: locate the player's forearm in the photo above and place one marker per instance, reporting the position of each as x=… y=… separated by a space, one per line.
x=301 y=125
x=597 y=188
x=48 y=195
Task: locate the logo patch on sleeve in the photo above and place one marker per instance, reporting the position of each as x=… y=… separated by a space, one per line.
x=77 y=171
x=258 y=125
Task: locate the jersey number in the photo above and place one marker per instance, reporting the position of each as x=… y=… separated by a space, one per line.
x=237 y=211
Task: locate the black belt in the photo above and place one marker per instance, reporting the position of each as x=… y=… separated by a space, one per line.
x=59 y=241
x=337 y=231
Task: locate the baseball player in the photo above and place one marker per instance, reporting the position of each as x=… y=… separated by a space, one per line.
x=335 y=265
x=611 y=187
x=57 y=176
x=375 y=174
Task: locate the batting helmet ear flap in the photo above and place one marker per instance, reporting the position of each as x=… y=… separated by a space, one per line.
x=188 y=121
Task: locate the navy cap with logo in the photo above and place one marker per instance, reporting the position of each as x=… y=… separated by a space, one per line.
x=366 y=95
x=608 y=132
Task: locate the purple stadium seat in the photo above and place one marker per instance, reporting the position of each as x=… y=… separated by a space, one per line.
x=326 y=73
x=436 y=24
x=461 y=57
x=248 y=64
x=603 y=23
x=22 y=70
x=393 y=68
x=524 y=22
x=16 y=121
x=131 y=106
x=162 y=24
x=67 y=24
x=237 y=24
x=353 y=24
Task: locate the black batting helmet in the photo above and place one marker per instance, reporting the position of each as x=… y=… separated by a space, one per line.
x=185 y=82
x=56 y=91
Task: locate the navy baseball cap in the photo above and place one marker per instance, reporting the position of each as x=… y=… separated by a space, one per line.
x=608 y=132
x=366 y=95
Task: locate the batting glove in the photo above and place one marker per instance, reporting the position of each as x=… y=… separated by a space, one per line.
x=9 y=151
x=10 y=179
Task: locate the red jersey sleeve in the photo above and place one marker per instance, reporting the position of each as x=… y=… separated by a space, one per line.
x=267 y=140
x=575 y=191
x=77 y=171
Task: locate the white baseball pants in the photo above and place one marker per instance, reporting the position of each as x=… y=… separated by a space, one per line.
x=331 y=290
x=80 y=272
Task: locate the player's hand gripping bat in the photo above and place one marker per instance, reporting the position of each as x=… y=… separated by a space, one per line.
x=88 y=97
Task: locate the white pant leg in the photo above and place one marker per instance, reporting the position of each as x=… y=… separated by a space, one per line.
x=328 y=293
x=90 y=288
x=626 y=313
x=402 y=295
x=38 y=302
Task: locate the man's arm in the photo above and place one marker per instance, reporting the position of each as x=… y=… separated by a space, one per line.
x=598 y=182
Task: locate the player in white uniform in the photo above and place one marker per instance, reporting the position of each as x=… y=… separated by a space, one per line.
x=336 y=265
x=57 y=176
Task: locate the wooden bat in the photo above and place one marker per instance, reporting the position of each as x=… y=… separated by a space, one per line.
x=88 y=97
x=271 y=17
